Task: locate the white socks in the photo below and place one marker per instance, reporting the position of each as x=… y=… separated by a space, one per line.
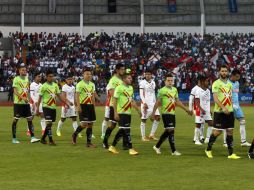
x=196 y=134
x=103 y=126
x=143 y=129
x=202 y=130
x=209 y=132
x=75 y=125
x=154 y=127
x=43 y=124
x=60 y=124
x=243 y=133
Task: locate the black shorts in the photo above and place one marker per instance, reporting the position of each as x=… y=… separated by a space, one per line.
x=87 y=113
x=49 y=114
x=22 y=110
x=112 y=114
x=223 y=121
x=124 y=121
x=169 y=121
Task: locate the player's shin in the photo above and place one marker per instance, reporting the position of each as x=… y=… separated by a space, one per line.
x=229 y=140
x=154 y=127
x=171 y=139
x=162 y=138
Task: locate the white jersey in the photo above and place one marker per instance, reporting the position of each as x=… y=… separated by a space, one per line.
x=35 y=91
x=192 y=98
x=70 y=92
x=147 y=92
x=204 y=97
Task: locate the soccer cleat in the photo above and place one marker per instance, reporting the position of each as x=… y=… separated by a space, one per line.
x=152 y=137
x=206 y=141
x=113 y=150
x=52 y=143
x=80 y=135
x=176 y=153
x=133 y=152
x=43 y=141
x=250 y=155
x=34 y=140
x=225 y=145
x=202 y=140
x=42 y=132
x=145 y=139
x=74 y=139
x=93 y=137
x=15 y=141
x=58 y=133
x=197 y=142
x=209 y=153
x=90 y=145
x=245 y=144
x=157 y=150
x=28 y=133
x=234 y=157
x=102 y=136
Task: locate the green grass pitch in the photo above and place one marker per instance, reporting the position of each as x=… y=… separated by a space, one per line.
x=67 y=167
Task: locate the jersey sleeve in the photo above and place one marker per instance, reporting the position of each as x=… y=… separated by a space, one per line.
x=176 y=95
x=57 y=89
x=215 y=87
x=117 y=92
x=160 y=94
x=110 y=85
x=94 y=88
x=42 y=90
x=78 y=89
x=64 y=89
x=197 y=94
x=15 y=83
x=141 y=85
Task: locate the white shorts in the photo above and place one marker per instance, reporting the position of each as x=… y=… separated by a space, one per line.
x=203 y=118
x=107 y=112
x=34 y=108
x=67 y=113
x=149 y=111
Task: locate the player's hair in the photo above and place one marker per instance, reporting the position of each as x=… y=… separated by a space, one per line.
x=223 y=67
x=21 y=66
x=86 y=69
x=168 y=76
x=148 y=71
x=69 y=75
x=49 y=72
x=119 y=66
x=235 y=72
x=126 y=75
x=37 y=73
x=203 y=77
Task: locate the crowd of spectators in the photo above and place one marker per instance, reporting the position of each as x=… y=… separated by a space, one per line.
x=185 y=55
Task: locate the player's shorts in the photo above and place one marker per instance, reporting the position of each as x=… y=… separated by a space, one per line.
x=107 y=111
x=34 y=108
x=22 y=111
x=67 y=113
x=169 y=121
x=49 y=114
x=238 y=112
x=149 y=111
x=124 y=121
x=112 y=114
x=222 y=121
x=87 y=114
x=203 y=118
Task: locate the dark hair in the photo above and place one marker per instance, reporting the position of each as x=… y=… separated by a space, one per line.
x=49 y=72
x=37 y=73
x=69 y=75
x=148 y=71
x=119 y=65
x=87 y=69
x=203 y=77
x=126 y=75
x=168 y=76
x=223 y=67
x=235 y=72
x=21 y=66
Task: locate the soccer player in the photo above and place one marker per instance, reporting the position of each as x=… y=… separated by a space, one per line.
x=85 y=99
x=234 y=78
x=148 y=99
x=223 y=112
x=68 y=91
x=21 y=104
x=48 y=93
x=122 y=103
x=115 y=81
x=106 y=116
x=168 y=98
x=35 y=87
x=202 y=102
x=199 y=129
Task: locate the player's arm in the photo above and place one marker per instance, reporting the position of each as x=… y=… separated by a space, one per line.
x=191 y=100
x=38 y=102
x=77 y=94
x=155 y=107
x=96 y=96
x=115 y=108
x=142 y=97
x=180 y=104
x=135 y=106
x=216 y=100
x=15 y=91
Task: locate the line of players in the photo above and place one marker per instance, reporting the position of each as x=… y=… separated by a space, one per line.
x=118 y=108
